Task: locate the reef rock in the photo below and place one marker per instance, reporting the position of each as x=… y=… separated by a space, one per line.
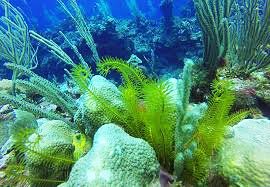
x=244 y=158
x=116 y=159
x=90 y=115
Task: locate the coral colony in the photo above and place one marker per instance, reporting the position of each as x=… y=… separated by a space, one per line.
x=156 y=98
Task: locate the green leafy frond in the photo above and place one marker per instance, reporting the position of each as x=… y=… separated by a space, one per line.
x=81 y=76
x=22 y=172
x=24 y=145
x=16 y=175
x=112 y=112
x=197 y=165
x=238 y=116
x=218 y=87
x=131 y=75
x=134 y=110
x=148 y=110
x=160 y=121
x=211 y=129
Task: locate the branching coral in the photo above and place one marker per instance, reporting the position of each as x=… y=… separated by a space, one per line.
x=244 y=45
x=187 y=119
x=42 y=87
x=104 y=8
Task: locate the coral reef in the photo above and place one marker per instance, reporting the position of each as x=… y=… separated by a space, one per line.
x=144 y=126
x=244 y=159
x=53 y=139
x=90 y=115
x=116 y=159
x=166 y=7
x=122 y=38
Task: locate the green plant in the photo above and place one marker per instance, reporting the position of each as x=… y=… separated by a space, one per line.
x=159 y=119
x=81 y=25
x=44 y=155
x=149 y=111
x=210 y=131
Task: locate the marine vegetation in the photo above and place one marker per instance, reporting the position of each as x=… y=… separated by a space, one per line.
x=148 y=108
x=209 y=134
x=250 y=38
x=235 y=35
x=150 y=113
x=117 y=124
x=15 y=44
x=213 y=18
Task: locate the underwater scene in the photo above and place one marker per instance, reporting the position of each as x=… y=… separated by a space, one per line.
x=135 y=93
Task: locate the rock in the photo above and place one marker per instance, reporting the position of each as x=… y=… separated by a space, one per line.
x=246 y=92
x=244 y=158
x=90 y=115
x=116 y=159
x=41 y=121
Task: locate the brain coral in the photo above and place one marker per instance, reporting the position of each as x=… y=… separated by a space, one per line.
x=116 y=159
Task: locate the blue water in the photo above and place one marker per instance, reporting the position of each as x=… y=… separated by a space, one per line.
x=43 y=14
